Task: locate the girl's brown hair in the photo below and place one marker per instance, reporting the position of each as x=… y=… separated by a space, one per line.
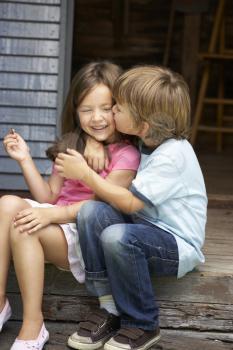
x=158 y=96
x=84 y=81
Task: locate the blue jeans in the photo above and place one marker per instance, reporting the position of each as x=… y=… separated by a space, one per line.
x=120 y=252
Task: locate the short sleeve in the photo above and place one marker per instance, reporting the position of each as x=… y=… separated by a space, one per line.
x=126 y=158
x=158 y=181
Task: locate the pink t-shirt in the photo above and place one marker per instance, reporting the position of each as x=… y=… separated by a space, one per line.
x=123 y=156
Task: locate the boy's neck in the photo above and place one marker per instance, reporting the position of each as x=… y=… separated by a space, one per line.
x=149 y=143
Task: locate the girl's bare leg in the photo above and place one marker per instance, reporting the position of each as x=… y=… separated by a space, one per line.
x=29 y=253
x=9 y=207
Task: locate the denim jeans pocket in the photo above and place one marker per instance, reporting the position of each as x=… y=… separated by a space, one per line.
x=163 y=266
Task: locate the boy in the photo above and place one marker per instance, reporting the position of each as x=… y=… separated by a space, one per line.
x=158 y=226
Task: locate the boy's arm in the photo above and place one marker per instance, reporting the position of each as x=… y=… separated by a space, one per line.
x=74 y=166
x=96 y=154
x=119 y=197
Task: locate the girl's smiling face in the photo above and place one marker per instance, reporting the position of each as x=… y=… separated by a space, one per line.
x=96 y=116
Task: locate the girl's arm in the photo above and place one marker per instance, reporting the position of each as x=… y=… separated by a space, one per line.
x=74 y=166
x=33 y=219
x=42 y=191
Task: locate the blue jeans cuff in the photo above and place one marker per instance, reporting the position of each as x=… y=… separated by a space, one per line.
x=135 y=324
x=99 y=275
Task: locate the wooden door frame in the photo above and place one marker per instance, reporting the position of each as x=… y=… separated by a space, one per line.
x=65 y=56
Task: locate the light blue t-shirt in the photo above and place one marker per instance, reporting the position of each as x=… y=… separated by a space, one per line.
x=170 y=182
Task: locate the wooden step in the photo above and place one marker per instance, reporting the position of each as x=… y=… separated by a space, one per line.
x=220 y=201
x=202 y=300
x=170 y=339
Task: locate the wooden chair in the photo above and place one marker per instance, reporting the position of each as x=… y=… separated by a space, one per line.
x=218 y=54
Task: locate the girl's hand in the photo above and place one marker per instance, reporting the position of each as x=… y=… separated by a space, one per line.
x=16 y=147
x=96 y=155
x=32 y=219
x=71 y=165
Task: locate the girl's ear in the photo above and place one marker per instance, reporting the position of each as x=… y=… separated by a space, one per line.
x=144 y=130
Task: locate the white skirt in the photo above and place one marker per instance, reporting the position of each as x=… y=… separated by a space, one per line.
x=75 y=258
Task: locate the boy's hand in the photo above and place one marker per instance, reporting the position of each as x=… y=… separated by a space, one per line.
x=96 y=155
x=16 y=147
x=71 y=165
x=32 y=219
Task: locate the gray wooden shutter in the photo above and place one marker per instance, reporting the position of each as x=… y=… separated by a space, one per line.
x=30 y=49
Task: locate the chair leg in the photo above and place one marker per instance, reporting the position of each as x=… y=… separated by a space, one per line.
x=220 y=110
x=206 y=73
x=200 y=102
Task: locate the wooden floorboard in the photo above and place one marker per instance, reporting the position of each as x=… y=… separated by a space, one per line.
x=170 y=340
x=219 y=240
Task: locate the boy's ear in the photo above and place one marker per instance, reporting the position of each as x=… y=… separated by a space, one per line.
x=144 y=130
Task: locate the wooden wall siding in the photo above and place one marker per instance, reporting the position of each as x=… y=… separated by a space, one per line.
x=147 y=32
x=29 y=64
x=144 y=40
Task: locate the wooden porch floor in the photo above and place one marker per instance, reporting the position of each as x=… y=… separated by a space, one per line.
x=170 y=340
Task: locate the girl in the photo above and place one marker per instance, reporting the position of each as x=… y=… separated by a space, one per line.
x=35 y=231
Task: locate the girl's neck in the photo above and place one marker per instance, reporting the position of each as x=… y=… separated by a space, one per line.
x=113 y=139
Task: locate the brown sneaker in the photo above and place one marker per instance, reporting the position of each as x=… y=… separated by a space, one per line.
x=133 y=339
x=99 y=326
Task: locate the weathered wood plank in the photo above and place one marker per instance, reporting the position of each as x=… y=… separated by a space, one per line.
x=21 y=115
x=17 y=81
x=29 y=65
x=32 y=133
x=193 y=288
x=170 y=340
x=47 y=2
x=218 y=244
x=37 y=149
x=10 y=166
x=29 y=12
x=29 y=47
x=173 y=315
x=13 y=182
x=29 y=30
x=220 y=201
x=28 y=98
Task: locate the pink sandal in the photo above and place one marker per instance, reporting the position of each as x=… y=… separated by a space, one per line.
x=36 y=344
x=5 y=314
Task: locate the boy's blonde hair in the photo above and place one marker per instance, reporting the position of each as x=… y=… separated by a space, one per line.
x=158 y=96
